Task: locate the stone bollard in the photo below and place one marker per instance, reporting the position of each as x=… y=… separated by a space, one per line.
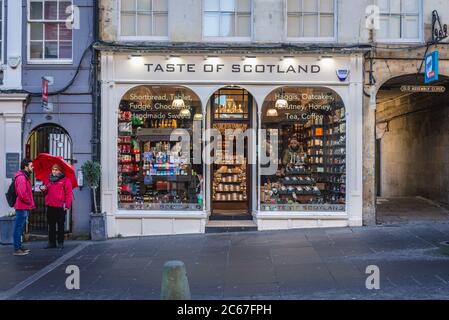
x=175 y=285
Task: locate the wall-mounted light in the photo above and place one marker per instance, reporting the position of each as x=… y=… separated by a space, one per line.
x=210 y=56
x=324 y=56
x=134 y=56
x=80 y=178
x=282 y=58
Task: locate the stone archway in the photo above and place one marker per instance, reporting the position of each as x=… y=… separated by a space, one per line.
x=385 y=65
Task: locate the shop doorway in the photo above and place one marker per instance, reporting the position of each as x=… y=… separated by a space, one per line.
x=55 y=140
x=412 y=172
x=231 y=110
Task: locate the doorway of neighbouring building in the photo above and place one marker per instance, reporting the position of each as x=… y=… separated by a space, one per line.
x=231 y=110
x=412 y=148
x=55 y=140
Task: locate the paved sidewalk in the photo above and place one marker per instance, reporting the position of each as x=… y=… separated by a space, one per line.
x=297 y=264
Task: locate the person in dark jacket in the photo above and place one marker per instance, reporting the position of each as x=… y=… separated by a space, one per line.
x=58 y=200
x=24 y=204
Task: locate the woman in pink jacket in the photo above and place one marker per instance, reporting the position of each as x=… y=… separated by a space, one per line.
x=58 y=200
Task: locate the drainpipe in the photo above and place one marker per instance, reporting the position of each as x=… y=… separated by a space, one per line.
x=96 y=100
x=96 y=103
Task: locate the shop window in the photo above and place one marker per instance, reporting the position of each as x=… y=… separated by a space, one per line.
x=227 y=18
x=49 y=31
x=399 y=20
x=144 y=18
x=310 y=126
x=313 y=19
x=157 y=170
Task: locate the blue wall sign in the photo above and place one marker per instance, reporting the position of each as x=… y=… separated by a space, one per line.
x=431 y=70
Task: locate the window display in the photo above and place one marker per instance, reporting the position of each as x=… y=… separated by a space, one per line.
x=311 y=128
x=153 y=172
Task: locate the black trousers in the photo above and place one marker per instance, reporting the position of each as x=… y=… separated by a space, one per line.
x=55 y=218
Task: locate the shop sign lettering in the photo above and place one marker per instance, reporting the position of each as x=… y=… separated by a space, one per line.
x=234 y=68
x=423 y=89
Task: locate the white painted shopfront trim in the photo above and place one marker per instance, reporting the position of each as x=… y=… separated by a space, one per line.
x=118 y=77
x=11 y=113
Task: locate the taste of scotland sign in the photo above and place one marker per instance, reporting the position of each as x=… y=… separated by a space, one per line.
x=231 y=69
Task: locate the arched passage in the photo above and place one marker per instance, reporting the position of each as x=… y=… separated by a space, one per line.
x=412 y=170
x=55 y=140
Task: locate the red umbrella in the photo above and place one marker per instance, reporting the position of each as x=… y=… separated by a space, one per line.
x=44 y=162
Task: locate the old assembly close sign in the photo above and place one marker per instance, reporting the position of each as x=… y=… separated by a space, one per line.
x=423 y=89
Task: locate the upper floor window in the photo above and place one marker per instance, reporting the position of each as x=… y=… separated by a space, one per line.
x=227 y=19
x=400 y=20
x=144 y=18
x=49 y=31
x=311 y=19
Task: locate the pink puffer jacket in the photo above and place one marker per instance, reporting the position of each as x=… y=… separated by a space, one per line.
x=59 y=194
x=24 y=192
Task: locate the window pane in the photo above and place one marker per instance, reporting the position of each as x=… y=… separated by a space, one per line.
x=384 y=6
x=143 y=5
x=161 y=25
x=160 y=5
x=243 y=26
x=395 y=27
x=64 y=33
x=36 y=31
x=411 y=27
x=65 y=50
x=128 y=5
x=383 y=32
x=244 y=5
x=411 y=6
x=310 y=6
x=227 y=5
x=144 y=24
x=326 y=6
x=227 y=25
x=128 y=25
x=51 y=10
x=211 y=25
x=36 y=10
x=36 y=51
x=51 y=50
x=310 y=25
x=64 y=10
x=294 y=5
x=294 y=26
x=395 y=6
x=327 y=26
x=51 y=31
x=211 y=5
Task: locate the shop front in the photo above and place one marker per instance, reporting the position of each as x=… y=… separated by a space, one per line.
x=187 y=139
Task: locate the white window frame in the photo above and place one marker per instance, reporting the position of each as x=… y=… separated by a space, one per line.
x=406 y=41
x=141 y=38
x=228 y=39
x=312 y=39
x=44 y=61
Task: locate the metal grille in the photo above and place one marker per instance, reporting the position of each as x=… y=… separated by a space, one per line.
x=56 y=141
